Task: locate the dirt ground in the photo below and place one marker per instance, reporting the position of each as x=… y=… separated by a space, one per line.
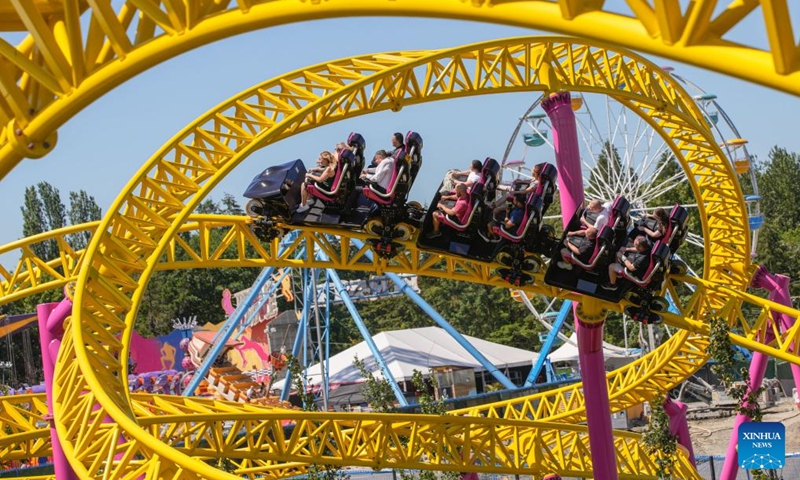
x=711 y=436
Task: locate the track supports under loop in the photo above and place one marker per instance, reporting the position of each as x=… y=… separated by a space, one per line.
x=590 y=331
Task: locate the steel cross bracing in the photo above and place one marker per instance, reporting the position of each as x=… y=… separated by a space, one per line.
x=77 y=51
x=680 y=357
x=140 y=226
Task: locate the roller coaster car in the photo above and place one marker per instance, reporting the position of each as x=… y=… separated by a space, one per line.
x=518 y=249
x=588 y=275
x=276 y=192
x=394 y=218
x=460 y=238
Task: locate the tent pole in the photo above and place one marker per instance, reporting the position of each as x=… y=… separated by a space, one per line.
x=376 y=353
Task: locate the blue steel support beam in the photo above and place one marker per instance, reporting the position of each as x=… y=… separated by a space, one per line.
x=298 y=339
x=326 y=378
x=376 y=353
x=226 y=332
x=431 y=312
x=563 y=313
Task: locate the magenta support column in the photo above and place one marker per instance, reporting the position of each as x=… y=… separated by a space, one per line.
x=778 y=286
x=590 y=333
x=51 y=330
x=678 y=425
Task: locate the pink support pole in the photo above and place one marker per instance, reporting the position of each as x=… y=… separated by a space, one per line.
x=51 y=330
x=678 y=425
x=590 y=335
x=778 y=286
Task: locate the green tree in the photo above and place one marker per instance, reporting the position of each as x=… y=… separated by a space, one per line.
x=43 y=211
x=778 y=240
x=33 y=220
x=82 y=209
x=376 y=390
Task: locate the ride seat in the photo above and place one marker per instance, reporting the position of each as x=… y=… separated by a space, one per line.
x=475 y=200
x=532 y=216
x=659 y=259
x=619 y=219
x=343 y=170
x=400 y=175
x=677 y=229
x=489 y=177
x=358 y=145
x=603 y=242
x=413 y=155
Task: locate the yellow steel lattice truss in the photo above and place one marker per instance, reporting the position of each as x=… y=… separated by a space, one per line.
x=76 y=51
x=140 y=227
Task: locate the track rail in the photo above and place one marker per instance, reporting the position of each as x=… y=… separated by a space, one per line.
x=140 y=230
x=149 y=212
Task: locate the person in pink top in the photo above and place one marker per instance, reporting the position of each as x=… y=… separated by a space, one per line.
x=458 y=212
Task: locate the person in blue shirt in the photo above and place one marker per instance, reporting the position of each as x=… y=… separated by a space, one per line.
x=512 y=220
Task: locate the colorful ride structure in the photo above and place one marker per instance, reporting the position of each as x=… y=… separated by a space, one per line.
x=105 y=431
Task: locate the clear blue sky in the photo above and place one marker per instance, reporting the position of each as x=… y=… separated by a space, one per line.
x=103 y=146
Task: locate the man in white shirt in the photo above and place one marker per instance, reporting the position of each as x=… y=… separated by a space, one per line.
x=601 y=215
x=383 y=172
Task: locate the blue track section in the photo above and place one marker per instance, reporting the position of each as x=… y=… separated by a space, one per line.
x=563 y=313
x=226 y=332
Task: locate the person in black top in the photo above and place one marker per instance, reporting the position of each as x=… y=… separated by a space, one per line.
x=579 y=246
x=397 y=144
x=636 y=262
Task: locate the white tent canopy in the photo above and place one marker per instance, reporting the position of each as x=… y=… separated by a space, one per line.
x=569 y=352
x=420 y=349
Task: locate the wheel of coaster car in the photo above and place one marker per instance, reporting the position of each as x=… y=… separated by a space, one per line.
x=659 y=304
x=374 y=227
x=532 y=264
x=504 y=258
x=254 y=207
x=635 y=298
x=678 y=267
x=403 y=231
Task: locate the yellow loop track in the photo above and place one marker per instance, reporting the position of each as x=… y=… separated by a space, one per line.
x=138 y=229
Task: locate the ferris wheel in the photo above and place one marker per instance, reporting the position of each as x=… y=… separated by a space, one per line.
x=622 y=155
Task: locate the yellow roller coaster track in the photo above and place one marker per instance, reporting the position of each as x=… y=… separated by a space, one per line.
x=21 y=416
x=137 y=231
x=666 y=366
x=77 y=51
